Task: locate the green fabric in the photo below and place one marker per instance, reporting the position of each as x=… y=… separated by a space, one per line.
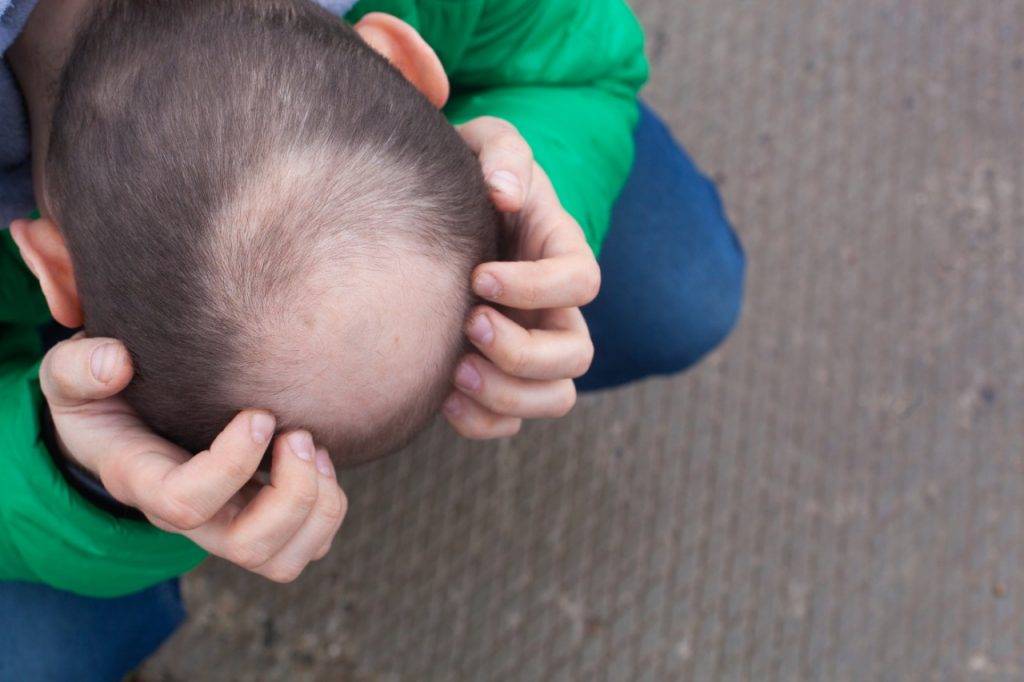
x=565 y=72
x=48 y=533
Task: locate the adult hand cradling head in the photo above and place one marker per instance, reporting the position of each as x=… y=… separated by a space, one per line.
x=296 y=267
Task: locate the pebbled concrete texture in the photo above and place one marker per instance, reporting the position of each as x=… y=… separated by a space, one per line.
x=837 y=494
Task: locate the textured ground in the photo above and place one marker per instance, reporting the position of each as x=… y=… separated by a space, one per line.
x=837 y=495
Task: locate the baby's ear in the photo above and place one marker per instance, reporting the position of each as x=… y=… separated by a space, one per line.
x=46 y=255
x=408 y=52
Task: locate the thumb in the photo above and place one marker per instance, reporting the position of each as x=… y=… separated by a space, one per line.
x=82 y=369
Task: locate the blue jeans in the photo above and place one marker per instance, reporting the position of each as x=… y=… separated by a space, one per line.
x=672 y=268
x=51 y=636
x=673 y=283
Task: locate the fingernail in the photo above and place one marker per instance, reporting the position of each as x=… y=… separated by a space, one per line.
x=481 y=330
x=487 y=285
x=261 y=425
x=301 y=444
x=506 y=183
x=104 y=362
x=323 y=464
x=453 y=406
x=467 y=377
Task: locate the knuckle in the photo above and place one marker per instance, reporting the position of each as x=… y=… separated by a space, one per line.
x=116 y=475
x=507 y=402
x=246 y=554
x=182 y=513
x=470 y=431
x=585 y=283
x=511 y=142
x=323 y=551
x=237 y=470
x=283 y=574
x=473 y=429
x=57 y=382
x=518 y=361
x=590 y=284
x=333 y=508
x=566 y=400
x=584 y=361
x=485 y=426
x=503 y=426
x=305 y=497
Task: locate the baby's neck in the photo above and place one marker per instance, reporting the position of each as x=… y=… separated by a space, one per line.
x=37 y=58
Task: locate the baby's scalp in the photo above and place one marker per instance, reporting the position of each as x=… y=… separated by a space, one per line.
x=275 y=218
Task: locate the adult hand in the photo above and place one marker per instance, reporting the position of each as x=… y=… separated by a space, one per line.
x=273 y=530
x=529 y=351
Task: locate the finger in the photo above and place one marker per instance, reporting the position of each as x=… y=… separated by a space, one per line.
x=188 y=494
x=505 y=158
x=82 y=369
x=210 y=535
x=280 y=509
x=222 y=519
x=566 y=281
x=330 y=474
x=313 y=539
x=563 y=350
x=543 y=227
x=508 y=395
x=474 y=421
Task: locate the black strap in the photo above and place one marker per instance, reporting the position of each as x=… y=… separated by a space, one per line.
x=80 y=478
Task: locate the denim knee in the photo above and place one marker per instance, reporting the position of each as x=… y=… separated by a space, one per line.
x=699 y=315
x=673 y=268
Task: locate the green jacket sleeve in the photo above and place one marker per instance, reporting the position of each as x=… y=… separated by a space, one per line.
x=48 y=532
x=565 y=72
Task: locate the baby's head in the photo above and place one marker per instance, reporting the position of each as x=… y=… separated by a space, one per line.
x=269 y=215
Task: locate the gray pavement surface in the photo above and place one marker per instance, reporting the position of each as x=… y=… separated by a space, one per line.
x=838 y=494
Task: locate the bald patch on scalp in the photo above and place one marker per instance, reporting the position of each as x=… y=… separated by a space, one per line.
x=272 y=217
x=373 y=366
x=355 y=332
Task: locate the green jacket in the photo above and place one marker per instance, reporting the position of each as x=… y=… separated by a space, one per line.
x=565 y=72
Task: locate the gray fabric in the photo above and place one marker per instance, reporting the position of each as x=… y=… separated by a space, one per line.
x=16 y=196
x=339 y=7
